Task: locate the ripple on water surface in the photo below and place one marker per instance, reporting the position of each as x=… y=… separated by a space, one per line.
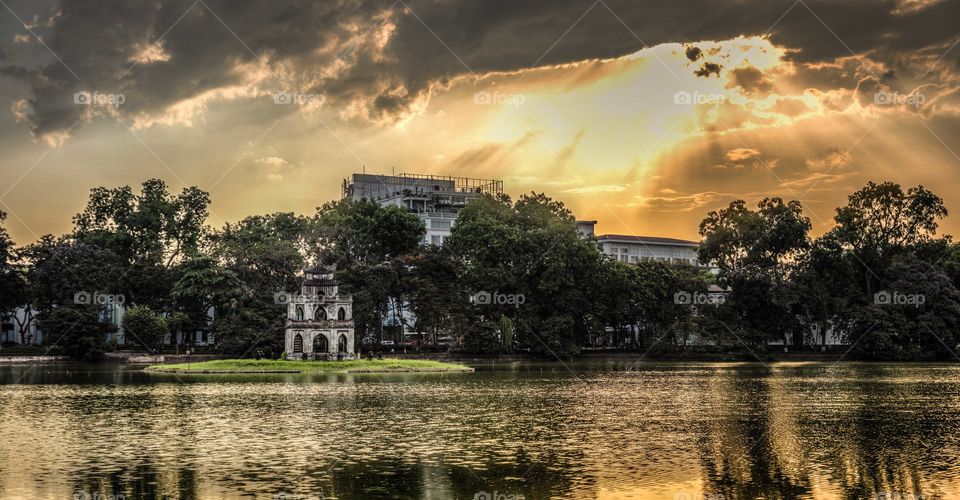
x=655 y=431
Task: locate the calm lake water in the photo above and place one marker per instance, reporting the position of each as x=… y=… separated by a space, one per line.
x=595 y=430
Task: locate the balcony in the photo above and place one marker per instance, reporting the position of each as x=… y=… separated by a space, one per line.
x=310 y=323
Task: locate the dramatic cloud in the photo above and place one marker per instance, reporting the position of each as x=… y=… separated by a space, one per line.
x=673 y=108
x=380 y=61
x=741 y=154
x=750 y=80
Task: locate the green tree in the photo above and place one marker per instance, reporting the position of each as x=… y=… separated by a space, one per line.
x=77 y=331
x=203 y=284
x=531 y=249
x=13 y=291
x=917 y=320
x=150 y=233
x=144 y=326
x=433 y=289
x=739 y=239
x=368 y=244
x=63 y=271
x=265 y=253
x=755 y=251
x=881 y=223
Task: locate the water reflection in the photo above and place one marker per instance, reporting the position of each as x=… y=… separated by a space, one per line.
x=608 y=430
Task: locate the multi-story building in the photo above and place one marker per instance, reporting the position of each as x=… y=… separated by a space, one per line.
x=435 y=199
x=634 y=249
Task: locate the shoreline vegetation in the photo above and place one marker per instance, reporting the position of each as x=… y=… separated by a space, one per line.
x=514 y=276
x=222 y=366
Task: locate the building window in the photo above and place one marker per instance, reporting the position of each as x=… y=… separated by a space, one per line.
x=439 y=224
x=342 y=343
x=341 y=314
x=321 y=314
x=436 y=240
x=297 y=343
x=299 y=313
x=320 y=343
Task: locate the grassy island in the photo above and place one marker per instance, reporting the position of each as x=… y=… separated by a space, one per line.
x=280 y=366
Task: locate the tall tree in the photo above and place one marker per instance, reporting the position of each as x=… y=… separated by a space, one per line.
x=881 y=223
x=145 y=327
x=368 y=244
x=265 y=254
x=12 y=287
x=755 y=251
x=434 y=291
x=150 y=232
x=530 y=249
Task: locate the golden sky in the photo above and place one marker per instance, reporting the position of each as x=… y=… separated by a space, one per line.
x=639 y=115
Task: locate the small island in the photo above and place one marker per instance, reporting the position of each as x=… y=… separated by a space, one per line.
x=282 y=366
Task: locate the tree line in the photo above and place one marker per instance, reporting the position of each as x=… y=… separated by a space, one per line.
x=514 y=276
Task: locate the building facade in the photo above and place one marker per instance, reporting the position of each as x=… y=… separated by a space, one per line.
x=21 y=327
x=319 y=321
x=586 y=228
x=634 y=249
x=435 y=199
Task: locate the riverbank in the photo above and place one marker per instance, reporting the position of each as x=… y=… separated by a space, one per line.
x=279 y=366
x=690 y=353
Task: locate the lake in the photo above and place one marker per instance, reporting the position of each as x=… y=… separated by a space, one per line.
x=508 y=431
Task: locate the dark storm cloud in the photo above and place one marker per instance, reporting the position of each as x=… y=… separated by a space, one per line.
x=751 y=80
x=708 y=69
x=303 y=40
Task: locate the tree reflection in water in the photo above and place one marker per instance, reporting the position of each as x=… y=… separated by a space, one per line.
x=612 y=430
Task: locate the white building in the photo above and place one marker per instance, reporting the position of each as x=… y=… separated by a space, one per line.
x=586 y=228
x=319 y=321
x=21 y=326
x=634 y=249
x=435 y=199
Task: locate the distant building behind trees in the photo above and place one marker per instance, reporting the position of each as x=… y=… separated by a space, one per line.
x=435 y=199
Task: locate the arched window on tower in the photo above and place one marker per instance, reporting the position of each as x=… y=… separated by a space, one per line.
x=299 y=313
x=320 y=314
x=320 y=344
x=341 y=314
x=297 y=343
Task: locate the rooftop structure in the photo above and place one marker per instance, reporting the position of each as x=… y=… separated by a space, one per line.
x=436 y=190
x=436 y=199
x=633 y=249
x=586 y=228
